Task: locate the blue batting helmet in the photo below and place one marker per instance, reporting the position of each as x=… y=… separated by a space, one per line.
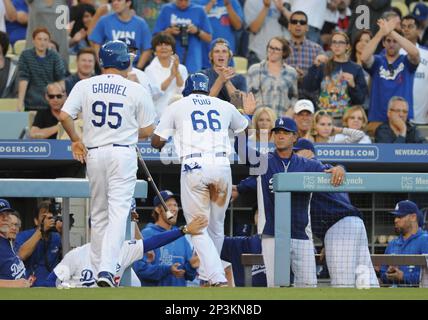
x=196 y=82
x=115 y=54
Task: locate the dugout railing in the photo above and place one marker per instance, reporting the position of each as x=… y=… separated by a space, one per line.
x=65 y=188
x=286 y=183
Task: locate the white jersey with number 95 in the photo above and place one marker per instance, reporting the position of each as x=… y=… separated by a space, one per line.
x=113 y=108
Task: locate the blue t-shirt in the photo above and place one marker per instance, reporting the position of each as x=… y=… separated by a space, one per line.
x=171 y=15
x=15 y=30
x=110 y=27
x=238 y=82
x=44 y=258
x=390 y=80
x=11 y=266
x=221 y=25
x=158 y=272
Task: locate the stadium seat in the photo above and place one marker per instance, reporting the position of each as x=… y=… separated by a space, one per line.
x=241 y=65
x=7 y=104
x=72 y=64
x=19 y=46
x=13 y=124
x=400 y=6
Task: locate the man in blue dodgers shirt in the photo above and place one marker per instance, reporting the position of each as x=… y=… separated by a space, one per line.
x=12 y=269
x=284 y=160
x=189 y=25
x=411 y=240
x=123 y=24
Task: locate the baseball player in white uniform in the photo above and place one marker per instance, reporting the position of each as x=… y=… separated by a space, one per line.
x=116 y=113
x=200 y=126
x=76 y=271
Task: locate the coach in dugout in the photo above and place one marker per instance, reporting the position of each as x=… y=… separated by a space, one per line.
x=411 y=240
x=282 y=159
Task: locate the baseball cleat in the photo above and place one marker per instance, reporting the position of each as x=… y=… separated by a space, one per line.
x=106 y=279
x=220 y=284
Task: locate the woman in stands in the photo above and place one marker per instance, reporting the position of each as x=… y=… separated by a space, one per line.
x=340 y=82
x=355 y=118
x=323 y=130
x=263 y=121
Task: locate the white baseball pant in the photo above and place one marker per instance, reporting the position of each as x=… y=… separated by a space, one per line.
x=347 y=254
x=302 y=258
x=112 y=178
x=207 y=191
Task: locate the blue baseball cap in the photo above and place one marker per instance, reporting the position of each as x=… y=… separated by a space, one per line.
x=286 y=124
x=5 y=206
x=166 y=194
x=420 y=11
x=405 y=207
x=131 y=44
x=304 y=144
x=219 y=40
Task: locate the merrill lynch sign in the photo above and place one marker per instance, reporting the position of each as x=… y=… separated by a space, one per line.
x=311 y=182
x=414 y=183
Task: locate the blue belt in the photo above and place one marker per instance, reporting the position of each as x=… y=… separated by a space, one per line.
x=199 y=155
x=114 y=145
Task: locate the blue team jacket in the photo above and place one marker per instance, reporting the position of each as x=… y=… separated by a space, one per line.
x=44 y=258
x=158 y=272
x=11 y=266
x=415 y=244
x=299 y=201
x=327 y=208
x=231 y=251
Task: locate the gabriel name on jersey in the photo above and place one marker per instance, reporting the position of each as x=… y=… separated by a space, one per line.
x=109 y=88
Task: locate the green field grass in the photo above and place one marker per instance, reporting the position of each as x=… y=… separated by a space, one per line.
x=169 y=293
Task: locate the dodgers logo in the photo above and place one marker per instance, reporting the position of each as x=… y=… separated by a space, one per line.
x=407 y=183
x=308 y=182
x=87 y=278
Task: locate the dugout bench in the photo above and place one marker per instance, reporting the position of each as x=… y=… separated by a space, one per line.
x=248 y=260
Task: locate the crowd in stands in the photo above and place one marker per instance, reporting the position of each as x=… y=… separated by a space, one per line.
x=295 y=50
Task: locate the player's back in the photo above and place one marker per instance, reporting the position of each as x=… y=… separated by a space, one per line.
x=111 y=107
x=202 y=124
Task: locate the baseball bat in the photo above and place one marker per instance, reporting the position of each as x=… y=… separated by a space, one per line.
x=169 y=214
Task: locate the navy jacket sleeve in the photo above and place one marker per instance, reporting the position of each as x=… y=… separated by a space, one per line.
x=234 y=245
x=248 y=184
x=150 y=271
x=312 y=80
x=360 y=91
x=190 y=271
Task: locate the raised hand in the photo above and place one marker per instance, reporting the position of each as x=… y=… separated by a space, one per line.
x=249 y=103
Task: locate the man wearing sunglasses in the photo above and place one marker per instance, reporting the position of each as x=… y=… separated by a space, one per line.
x=45 y=125
x=304 y=51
